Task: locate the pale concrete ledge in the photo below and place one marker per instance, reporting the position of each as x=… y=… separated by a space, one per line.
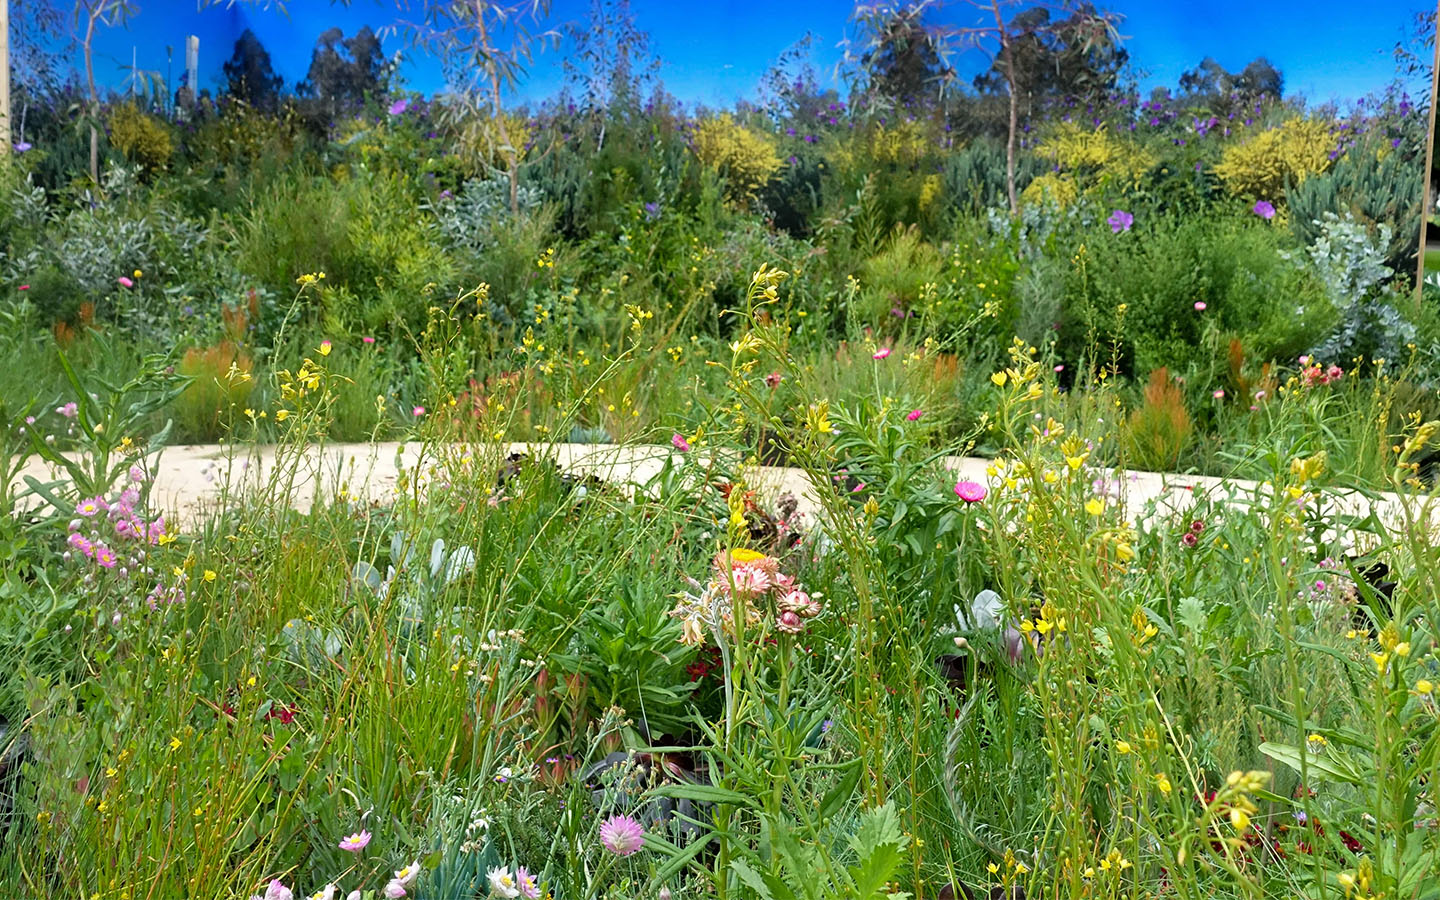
x=190 y=480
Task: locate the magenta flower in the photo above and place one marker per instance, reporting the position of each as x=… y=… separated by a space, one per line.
x=1264 y=209
x=418 y=411
x=881 y=353
x=970 y=491
x=367 y=340
x=789 y=622
x=1199 y=305
x=915 y=414
x=773 y=380
x=1219 y=394
x=1120 y=220
x=355 y=842
x=679 y=442
x=399 y=107
x=622 y=835
x=104 y=557
x=24 y=287
x=69 y=410
x=125 y=282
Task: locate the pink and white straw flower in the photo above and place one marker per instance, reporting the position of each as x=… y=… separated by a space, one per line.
x=750 y=581
x=502 y=883
x=529 y=887
x=278 y=891
x=622 y=835
x=882 y=353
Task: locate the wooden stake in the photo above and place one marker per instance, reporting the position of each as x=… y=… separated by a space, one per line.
x=8 y=147
x=1429 y=166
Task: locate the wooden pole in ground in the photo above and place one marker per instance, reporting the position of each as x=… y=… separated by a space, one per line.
x=1429 y=165
x=7 y=147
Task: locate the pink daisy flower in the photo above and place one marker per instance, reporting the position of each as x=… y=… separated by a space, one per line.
x=881 y=353
x=970 y=491
x=355 y=842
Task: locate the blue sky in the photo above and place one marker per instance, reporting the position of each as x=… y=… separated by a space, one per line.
x=715 y=51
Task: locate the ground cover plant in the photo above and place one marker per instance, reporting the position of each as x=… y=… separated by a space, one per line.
x=505 y=679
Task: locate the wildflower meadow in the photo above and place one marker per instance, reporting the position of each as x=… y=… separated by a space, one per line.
x=1026 y=484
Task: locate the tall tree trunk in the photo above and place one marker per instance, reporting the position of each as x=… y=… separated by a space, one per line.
x=1425 y=200
x=94 y=96
x=1014 y=124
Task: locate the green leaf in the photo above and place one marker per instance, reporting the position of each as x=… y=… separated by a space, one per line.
x=702 y=793
x=677 y=858
x=1331 y=766
x=751 y=878
x=1191 y=613
x=840 y=794
x=45 y=490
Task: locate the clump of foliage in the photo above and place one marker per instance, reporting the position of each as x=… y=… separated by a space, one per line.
x=143 y=138
x=745 y=157
x=1275 y=159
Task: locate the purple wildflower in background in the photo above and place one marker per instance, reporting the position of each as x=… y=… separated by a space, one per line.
x=1120 y=220
x=399 y=107
x=652 y=212
x=22 y=146
x=1264 y=209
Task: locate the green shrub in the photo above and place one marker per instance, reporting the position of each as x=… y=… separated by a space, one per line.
x=142 y=138
x=1375 y=183
x=1160 y=270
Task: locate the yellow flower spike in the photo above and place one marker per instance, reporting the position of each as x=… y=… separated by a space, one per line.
x=1123 y=747
x=1239 y=818
x=1402 y=648
x=1163 y=783
x=999 y=379
x=1095 y=506
x=282 y=414
x=1381 y=661
x=1423 y=686
x=324 y=348
x=210 y=575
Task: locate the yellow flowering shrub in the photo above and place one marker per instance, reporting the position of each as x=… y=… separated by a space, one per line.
x=904 y=144
x=1289 y=153
x=745 y=157
x=1098 y=152
x=1057 y=187
x=483 y=140
x=931 y=190
x=142 y=138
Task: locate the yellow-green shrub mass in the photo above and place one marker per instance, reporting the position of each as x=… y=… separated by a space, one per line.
x=745 y=157
x=1057 y=187
x=1096 y=152
x=143 y=139
x=1285 y=155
